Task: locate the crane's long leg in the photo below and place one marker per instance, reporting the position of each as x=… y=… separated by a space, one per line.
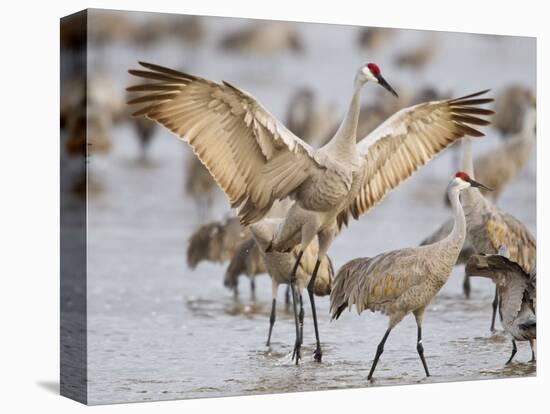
x=252 y=289
x=495 y=305
x=292 y=283
x=287 y=298
x=514 y=350
x=379 y=351
x=533 y=357
x=274 y=289
x=466 y=289
x=318 y=354
x=419 y=315
x=420 y=349
x=301 y=319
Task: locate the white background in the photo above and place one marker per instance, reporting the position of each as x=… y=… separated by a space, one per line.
x=29 y=212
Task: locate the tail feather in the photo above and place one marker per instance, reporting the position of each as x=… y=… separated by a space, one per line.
x=336 y=314
x=343 y=279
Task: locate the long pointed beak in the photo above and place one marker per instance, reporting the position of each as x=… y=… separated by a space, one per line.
x=386 y=85
x=474 y=183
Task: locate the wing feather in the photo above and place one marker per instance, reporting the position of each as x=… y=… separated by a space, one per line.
x=249 y=153
x=408 y=140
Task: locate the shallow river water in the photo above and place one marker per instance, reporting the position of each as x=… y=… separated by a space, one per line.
x=158 y=330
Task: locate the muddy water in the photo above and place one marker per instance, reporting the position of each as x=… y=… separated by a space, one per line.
x=158 y=330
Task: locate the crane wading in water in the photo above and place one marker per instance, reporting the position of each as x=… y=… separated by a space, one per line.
x=256 y=160
x=279 y=265
x=517 y=292
x=490 y=228
x=403 y=281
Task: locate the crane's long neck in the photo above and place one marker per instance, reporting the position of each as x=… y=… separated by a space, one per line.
x=455 y=239
x=346 y=137
x=468 y=160
x=471 y=197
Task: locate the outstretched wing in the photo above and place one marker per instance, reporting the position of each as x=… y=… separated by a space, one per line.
x=408 y=140
x=250 y=154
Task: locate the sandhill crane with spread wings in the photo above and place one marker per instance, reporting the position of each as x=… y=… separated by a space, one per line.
x=517 y=292
x=256 y=160
x=403 y=281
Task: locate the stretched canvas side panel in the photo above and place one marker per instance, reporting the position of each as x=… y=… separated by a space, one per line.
x=73 y=180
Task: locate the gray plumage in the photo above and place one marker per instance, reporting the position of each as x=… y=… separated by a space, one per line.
x=374 y=38
x=501 y=165
x=256 y=160
x=216 y=241
x=510 y=105
x=465 y=253
x=279 y=265
x=246 y=261
x=489 y=227
x=264 y=37
x=517 y=295
x=419 y=57
x=443 y=231
x=145 y=130
x=310 y=119
x=402 y=281
x=199 y=184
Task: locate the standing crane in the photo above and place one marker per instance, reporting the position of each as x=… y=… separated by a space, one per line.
x=510 y=105
x=279 y=265
x=247 y=260
x=145 y=130
x=489 y=228
x=501 y=165
x=256 y=160
x=517 y=291
x=216 y=241
x=403 y=281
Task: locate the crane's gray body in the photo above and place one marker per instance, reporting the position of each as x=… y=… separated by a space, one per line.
x=279 y=264
x=490 y=228
x=402 y=281
x=517 y=292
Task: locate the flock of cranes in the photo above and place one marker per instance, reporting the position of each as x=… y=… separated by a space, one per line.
x=292 y=200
